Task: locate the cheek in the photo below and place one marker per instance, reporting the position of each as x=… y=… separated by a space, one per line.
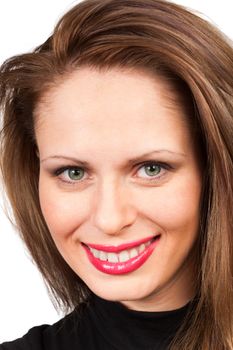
x=63 y=211
x=174 y=207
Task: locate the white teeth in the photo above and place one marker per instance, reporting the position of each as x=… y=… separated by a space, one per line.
x=112 y=257
x=133 y=252
x=103 y=256
x=95 y=252
x=141 y=248
x=124 y=256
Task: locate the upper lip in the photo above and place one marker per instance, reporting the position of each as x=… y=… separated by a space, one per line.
x=120 y=247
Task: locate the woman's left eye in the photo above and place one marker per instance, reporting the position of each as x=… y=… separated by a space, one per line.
x=151 y=170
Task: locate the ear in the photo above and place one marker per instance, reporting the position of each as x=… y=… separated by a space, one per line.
x=37 y=152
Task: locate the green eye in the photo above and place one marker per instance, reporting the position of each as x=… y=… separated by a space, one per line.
x=75 y=174
x=70 y=174
x=152 y=169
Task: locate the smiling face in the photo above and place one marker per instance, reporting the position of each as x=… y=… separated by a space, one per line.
x=118 y=168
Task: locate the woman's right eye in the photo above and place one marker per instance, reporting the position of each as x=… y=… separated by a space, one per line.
x=70 y=174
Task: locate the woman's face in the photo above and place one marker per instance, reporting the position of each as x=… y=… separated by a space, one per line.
x=120 y=186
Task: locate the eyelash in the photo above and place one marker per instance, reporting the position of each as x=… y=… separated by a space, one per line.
x=62 y=170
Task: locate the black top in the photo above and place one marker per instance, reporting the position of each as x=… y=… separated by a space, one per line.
x=104 y=325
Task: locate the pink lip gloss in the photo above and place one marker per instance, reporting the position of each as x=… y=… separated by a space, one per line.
x=117 y=268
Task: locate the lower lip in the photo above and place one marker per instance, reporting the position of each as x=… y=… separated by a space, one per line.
x=122 y=267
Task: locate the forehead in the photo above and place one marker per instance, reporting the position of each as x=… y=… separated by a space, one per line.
x=88 y=87
x=108 y=107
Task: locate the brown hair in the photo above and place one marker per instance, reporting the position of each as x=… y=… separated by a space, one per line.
x=168 y=40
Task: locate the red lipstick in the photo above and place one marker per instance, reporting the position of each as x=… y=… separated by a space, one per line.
x=117 y=268
x=120 y=247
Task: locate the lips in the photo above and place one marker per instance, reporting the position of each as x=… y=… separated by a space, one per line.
x=120 y=247
x=123 y=258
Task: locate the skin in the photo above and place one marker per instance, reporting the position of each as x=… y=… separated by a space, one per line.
x=105 y=119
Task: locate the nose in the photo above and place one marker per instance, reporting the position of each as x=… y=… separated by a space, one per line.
x=113 y=208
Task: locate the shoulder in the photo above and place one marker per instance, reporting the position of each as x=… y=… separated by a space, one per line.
x=59 y=336
x=32 y=340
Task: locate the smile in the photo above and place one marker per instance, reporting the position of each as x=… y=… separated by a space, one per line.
x=120 y=259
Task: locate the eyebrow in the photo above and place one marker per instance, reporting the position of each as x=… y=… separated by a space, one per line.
x=129 y=161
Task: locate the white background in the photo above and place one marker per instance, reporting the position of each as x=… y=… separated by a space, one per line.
x=24 y=25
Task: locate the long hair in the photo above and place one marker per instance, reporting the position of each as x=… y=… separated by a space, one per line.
x=165 y=39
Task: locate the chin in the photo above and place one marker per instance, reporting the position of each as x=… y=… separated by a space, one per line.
x=120 y=291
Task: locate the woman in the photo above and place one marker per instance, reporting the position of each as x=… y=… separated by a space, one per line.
x=120 y=130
